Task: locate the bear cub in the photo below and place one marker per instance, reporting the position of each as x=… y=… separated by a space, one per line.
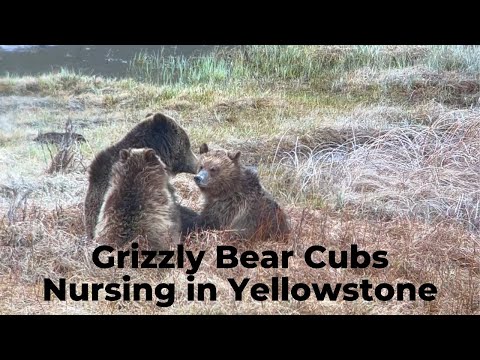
x=139 y=202
x=235 y=200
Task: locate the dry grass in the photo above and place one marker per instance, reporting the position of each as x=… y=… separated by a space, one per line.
x=415 y=84
x=416 y=171
x=68 y=157
x=445 y=255
x=375 y=146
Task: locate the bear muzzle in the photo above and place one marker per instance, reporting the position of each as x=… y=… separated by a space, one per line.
x=201 y=178
x=191 y=165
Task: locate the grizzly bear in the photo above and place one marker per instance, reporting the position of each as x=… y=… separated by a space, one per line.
x=188 y=219
x=158 y=132
x=235 y=200
x=188 y=216
x=138 y=203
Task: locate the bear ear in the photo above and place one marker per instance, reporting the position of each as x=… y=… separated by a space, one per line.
x=124 y=154
x=203 y=148
x=150 y=155
x=163 y=124
x=162 y=119
x=234 y=156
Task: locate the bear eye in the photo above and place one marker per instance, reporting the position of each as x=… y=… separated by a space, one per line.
x=201 y=167
x=213 y=169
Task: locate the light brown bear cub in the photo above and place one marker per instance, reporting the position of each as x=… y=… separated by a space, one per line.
x=138 y=202
x=235 y=200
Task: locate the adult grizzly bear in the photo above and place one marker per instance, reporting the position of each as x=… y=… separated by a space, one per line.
x=158 y=132
x=234 y=198
x=138 y=202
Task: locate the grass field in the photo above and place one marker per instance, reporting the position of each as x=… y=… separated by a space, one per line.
x=371 y=145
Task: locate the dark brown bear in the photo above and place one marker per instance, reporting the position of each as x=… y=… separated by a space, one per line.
x=138 y=203
x=235 y=200
x=159 y=132
x=188 y=219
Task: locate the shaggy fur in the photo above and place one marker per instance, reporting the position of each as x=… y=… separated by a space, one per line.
x=159 y=132
x=139 y=203
x=235 y=200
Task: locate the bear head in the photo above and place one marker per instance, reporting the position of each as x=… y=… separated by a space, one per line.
x=218 y=170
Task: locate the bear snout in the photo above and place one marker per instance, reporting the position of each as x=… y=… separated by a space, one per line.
x=201 y=178
x=191 y=164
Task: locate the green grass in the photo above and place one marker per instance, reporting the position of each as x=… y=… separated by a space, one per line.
x=221 y=67
x=454 y=58
x=296 y=64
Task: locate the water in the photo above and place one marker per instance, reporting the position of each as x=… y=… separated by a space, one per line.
x=106 y=60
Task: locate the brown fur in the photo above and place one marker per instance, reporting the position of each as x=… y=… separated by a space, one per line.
x=188 y=219
x=159 y=132
x=139 y=203
x=235 y=200
x=188 y=216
